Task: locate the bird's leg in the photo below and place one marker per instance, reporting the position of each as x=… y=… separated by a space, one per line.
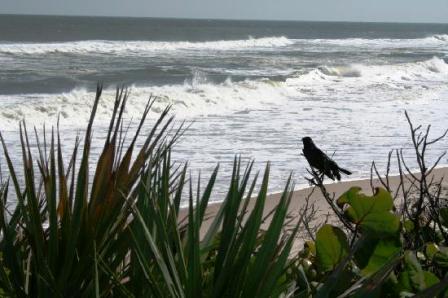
x=321 y=175
x=318 y=176
x=313 y=174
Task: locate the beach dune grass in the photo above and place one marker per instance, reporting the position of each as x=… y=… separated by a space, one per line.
x=118 y=233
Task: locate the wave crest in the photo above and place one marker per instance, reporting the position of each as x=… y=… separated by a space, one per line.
x=141 y=47
x=340 y=71
x=437 y=40
x=374 y=78
x=193 y=98
x=114 y=47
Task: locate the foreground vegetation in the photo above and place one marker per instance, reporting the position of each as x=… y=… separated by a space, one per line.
x=120 y=232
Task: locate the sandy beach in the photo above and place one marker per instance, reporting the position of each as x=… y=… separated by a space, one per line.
x=323 y=211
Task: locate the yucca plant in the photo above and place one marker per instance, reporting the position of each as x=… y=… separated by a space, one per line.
x=65 y=221
x=235 y=257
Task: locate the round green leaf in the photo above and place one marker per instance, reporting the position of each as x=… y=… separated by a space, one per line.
x=331 y=247
x=431 y=249
x=381 y=224
x=441 y=259
x=372 y=213
x=376 y=254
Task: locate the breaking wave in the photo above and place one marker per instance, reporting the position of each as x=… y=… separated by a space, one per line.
x=197 y=96
x=435 y=69
x=193 y=98
x=139 y=47
x=430 y=41
x=114 y=47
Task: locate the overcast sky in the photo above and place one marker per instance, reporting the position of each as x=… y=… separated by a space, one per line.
x=326 y=10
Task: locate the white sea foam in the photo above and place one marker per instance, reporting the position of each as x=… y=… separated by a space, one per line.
x=356 y=109
x=198 y=96
x=441 y=37
x=116 y=47
x=430 y=41
x=193 y=98
x=434 y=70
x=139 y=47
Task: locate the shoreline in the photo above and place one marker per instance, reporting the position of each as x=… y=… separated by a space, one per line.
x=347 y=180
x=320 y=204
x=439 y=171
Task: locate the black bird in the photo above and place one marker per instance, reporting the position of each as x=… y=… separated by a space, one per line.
x=320 y=161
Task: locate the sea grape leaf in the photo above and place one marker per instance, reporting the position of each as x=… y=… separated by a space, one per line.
x=431 y=249
x=413 y=277
x=361 y=205
x=405 y=283
x=413 y=267
x=430 y=279
x=381 y=224
x=376 y=253
x=372 y=213
x=331 y=247
x=441 y=258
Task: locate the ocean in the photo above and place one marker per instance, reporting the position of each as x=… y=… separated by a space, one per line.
x=253 y=88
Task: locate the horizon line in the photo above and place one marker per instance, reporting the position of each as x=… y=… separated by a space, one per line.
x=221 y=19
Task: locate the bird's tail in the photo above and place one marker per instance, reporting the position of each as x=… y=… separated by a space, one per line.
x=345 y=171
